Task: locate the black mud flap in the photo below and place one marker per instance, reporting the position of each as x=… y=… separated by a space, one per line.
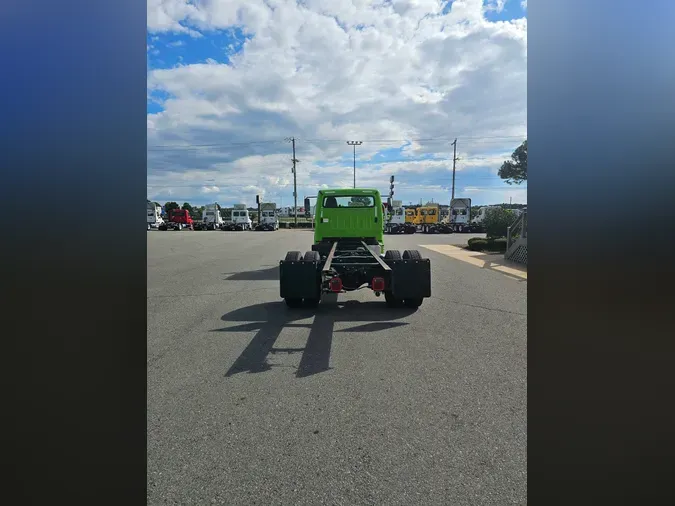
x=299 y=280
x=410 y=279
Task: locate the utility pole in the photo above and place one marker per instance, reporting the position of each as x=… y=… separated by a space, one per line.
x=454 y=160
x=354 y=143
x=295 y=184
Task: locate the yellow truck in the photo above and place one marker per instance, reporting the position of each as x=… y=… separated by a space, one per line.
x=427 y=220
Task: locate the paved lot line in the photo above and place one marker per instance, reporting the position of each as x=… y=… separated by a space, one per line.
x=479 y=259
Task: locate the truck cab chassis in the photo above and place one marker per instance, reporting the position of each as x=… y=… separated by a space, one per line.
x=347 y=256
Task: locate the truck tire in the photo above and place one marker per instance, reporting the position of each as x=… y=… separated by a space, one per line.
x=311 y=256
x=293 y=256
x=392 y=254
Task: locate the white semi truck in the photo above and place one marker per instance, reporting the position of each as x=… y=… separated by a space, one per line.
x=460 y=217
x=478 y=220
x=241 y=219
x=395 y=222
x=212 y=220
x=268 y=217
x=154 y=216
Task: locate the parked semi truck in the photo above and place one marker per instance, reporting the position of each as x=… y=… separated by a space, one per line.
x=478 y=220
x=268 y=217
x=241 y=219
x=460 y=216
x=154 y=216
x=348 y=254
x=395 y=220
x=212 y=220
x=427 y=220
x=179 y=219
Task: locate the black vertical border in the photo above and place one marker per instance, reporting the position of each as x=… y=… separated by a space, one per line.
x=601 y=121
x=73 y=255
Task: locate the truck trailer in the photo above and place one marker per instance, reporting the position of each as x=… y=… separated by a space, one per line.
x=348 y=254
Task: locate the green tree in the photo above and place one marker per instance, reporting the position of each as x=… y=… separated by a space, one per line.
x=497 y=221
x=169 y=206
x=515 y=170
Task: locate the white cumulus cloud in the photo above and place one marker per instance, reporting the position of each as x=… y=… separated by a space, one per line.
x=394 y=74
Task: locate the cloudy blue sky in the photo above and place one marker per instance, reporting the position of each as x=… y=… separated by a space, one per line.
x=229 y=80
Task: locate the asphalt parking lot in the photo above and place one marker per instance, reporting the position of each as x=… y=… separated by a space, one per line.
x=352 y=403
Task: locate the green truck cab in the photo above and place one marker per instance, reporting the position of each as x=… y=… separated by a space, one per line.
x=348 y=254
x=349 y=213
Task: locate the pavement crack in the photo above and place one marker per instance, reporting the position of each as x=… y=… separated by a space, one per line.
x=479 y=307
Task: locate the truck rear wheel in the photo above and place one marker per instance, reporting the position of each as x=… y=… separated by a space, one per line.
x=293 y=256
x=392 y=254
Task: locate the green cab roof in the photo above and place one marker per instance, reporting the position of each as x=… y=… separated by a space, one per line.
x=350 y=191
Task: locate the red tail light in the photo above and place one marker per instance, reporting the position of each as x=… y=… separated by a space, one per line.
x=335 y=285
x=378 y=284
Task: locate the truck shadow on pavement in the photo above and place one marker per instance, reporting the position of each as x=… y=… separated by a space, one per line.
x=269 y=319
x=266 y=274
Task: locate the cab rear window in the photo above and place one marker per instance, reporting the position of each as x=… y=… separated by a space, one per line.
x=351 y=201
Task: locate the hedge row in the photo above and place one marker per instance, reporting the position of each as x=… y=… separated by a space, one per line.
x=480 y=244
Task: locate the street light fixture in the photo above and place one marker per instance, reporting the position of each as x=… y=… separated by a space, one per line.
x=354 y=143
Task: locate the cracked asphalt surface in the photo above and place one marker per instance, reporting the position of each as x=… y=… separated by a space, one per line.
x=349 y=404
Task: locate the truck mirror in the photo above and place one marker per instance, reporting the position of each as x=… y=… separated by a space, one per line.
x=389 y=206
x=308 y=210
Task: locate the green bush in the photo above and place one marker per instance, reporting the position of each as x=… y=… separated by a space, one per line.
x=497 y=221
x=477 y=244
x=497 y=244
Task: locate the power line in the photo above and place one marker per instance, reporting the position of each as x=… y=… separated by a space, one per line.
x=370 y=141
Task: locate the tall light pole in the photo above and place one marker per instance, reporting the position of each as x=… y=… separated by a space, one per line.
x=295 y=184
x=454 y=160
x=354 y=143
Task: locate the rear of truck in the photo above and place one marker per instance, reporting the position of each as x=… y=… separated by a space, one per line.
x=269 y=221
x=348 y=254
